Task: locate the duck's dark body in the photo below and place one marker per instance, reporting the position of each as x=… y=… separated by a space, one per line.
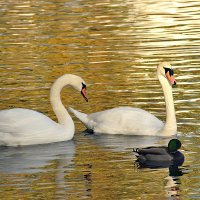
x=158 y=157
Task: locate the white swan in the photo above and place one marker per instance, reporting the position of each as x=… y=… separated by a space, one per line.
x=20 y=126
x=135 y=121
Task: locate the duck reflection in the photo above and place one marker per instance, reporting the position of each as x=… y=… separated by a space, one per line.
x=31 y=159
x=88 y=180
x=173 y=182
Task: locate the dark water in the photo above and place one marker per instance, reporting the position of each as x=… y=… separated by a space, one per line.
x=115 y=46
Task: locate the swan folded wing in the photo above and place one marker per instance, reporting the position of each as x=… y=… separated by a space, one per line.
x=23 y=127
x=125 y=120
x=20 y=120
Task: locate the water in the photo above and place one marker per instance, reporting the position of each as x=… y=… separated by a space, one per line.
x=115 y=47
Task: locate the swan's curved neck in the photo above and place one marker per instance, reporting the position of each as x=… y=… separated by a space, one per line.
x=170 y=127
x=61 y=112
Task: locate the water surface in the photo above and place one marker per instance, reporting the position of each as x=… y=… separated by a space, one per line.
x=115 y=46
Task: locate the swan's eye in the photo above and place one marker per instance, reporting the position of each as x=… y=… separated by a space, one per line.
x=83 y=86
x=171 y=72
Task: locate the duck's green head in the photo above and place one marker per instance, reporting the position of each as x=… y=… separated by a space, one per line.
x=174 y=145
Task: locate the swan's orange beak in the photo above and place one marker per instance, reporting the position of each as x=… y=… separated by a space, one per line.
x=170 y=78
x=84 y=94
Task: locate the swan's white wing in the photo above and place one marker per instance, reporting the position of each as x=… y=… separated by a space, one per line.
x=124 y=120
x=20 y=120
x=23 y=126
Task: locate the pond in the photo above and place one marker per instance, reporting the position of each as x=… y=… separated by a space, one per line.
x=115 y=46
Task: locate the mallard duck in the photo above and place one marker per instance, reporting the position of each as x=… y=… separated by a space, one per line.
x=160 y=156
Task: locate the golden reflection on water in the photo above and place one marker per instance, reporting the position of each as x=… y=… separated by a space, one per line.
x=115 y=47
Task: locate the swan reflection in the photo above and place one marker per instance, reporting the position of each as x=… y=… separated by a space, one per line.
x=125 y=142
x=31 y=159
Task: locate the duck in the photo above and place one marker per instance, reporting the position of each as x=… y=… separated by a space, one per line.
x=164 y=156
x=135 y=121
x=21 y=126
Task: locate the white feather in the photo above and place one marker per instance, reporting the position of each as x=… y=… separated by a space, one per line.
x=20 y=126
x=134 y=121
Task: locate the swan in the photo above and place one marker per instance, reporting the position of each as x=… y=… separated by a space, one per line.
x=135 y=121
x=19 y=126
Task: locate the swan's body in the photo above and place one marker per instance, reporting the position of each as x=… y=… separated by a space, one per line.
x=120 y=121
x=20 y=126
x=24 y=127
x=135 y=121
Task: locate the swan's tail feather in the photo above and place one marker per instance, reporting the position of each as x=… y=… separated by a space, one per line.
x=81 y=116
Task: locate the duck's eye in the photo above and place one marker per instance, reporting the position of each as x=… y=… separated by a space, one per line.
x=171 y=72
x=83 y=86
